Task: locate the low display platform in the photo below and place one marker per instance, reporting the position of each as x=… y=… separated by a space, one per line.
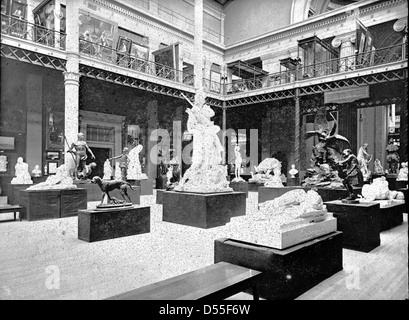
x=240 y=187
x=391 y=213
x=360 y=224
x=13 y=192
x=287 y=273
x=405 y=194
x=327 y=194
x=202 y=210
x=145 y=185
x=94 y=192
x=52 y=204
x=97 y=225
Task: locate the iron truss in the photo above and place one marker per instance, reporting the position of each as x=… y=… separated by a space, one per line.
x=386 y=76
x=266 y=97
x=33 y=57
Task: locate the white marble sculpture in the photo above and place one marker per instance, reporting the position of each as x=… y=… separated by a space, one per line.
x=277 y=179
x=403 y=172
x=134 y=171
x=60 y=180
x=3 y=163
x=237 y=164
x=22 y=174
x=169 y=175
x=379 y=190
x=118 y=174
x=364 y=158
x=262 y=172
x=107 y=170
x=293 y=171
x=206 y=173
x=378 y=169
x=36 y=171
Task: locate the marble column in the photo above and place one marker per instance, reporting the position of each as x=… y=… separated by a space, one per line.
x=346 y=55
x=224 y=128
x=72 y=75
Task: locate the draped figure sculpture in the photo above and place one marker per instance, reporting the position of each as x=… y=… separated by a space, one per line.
x=364 y=158
x=22 y=174
x=206 y=173
x=134 y=171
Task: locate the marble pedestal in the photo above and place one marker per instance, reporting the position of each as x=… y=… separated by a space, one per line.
x=51 y=204
x=145 y=185
x=97 y=225
x=240 y=187
x=94 y=192
x=202 y=210
x=360 y=224
x=135 y=194
x=287 y=273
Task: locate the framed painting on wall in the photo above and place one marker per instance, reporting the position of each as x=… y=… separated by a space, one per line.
x=55 y=131
x=52 y=167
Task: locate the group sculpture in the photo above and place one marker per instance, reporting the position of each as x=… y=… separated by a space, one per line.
x=262 y=173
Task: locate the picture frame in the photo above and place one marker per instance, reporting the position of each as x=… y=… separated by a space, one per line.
x=123 y=45
x=52 y=167
x=4 y=166
x=55 y=131
x=7 y=143
x=18 y=9
x=52 y=155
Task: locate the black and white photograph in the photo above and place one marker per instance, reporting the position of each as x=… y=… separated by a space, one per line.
x=244 y=152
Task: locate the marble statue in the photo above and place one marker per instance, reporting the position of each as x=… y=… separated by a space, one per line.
x=118 y=172
x=237 y=164
x=392 y=157
x=62 y=179
x=36 y=171
x=134 y=171
x=79 y=150
x=206 y=173
x=277 y=179
x=3 y=163
x=403 y=172
x=21 y=172
x=379 y=190
x=293 y=172
x=107 y=170
x=378 y=169
x=325 y=153
x=123 y=163
x=169 y=175
x=262 y=172
x=364 y=158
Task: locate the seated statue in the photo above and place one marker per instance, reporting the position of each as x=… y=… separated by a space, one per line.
x=403 y=172
x=21 y=172
x=378 y=169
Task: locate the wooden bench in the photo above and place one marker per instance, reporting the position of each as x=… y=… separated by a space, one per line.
x=6 y=208
x=214 y=282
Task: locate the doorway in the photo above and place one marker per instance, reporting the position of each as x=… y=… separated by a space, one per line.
x=101 y=154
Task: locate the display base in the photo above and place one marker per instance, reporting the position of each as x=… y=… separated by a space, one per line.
x=13 y=192
x=145 y=185
x=97 y=225
x=94 y=192
x=400 y=184
x=159 y=196
x=202 y=210
x=52 y=204
x=242 y=186
x=360 y=224
x=350 y=201
x=405 y=195
x=287 y=273
x=391 y=214
x=327 y=194
x=253 y=186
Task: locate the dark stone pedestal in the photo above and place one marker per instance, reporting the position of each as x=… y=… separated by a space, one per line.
x=391 y=216
x=240 y=187
x=135 y=194
x=97 y=225
x=200 y=210
x=287 y=273
x=254 y=186
x=391 y=178
x=293 y=182
x=52 y=204
x=401 y=184
x=159 y=196
x=94 y=192
x=160 y=182
x=39 y=179
x=360 y=224
x=405 y=193
x=13 y=192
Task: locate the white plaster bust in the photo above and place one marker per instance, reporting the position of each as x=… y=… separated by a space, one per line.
x=36 y=171
x=293 y=171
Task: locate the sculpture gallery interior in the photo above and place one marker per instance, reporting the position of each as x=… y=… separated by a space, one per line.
x=204 y=149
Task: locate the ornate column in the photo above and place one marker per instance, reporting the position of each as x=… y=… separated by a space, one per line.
x=346 y=54
x=297 y=129
x=224 y=132
x=198 y=44
x=72 y=75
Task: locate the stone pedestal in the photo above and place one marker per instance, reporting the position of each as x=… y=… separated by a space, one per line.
x=391 y=178
x=135 y=194
x=51 y=204
x=97 y=225
x=287 y=273
x=391 y=214
x=146 y=186
x=253 y=186
x=159 y=196
x=405 y=193
x=13 y=192
x=240 y=187
x=94 y=192
x=401 y=184
x=266 y=194
x=293 y=182
x=160 y=182
x=206 y=210
x=360 y=224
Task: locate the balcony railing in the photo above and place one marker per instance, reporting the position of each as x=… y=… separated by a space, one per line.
x=364 y=60
x=23 y=29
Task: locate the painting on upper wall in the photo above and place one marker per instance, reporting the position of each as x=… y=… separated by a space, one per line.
x=55 y=131
x=96 y=29
x=12 y=119
x=18 y=9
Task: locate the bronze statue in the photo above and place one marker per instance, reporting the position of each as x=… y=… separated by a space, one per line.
x=392 y=157
x=350 y=173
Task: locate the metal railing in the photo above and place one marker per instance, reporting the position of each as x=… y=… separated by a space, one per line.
x=364 y=60
x=23 y=29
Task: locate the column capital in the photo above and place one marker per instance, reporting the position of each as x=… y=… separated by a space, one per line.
x=71 y=78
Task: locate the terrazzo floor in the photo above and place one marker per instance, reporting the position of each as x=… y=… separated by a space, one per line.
x=46 y=260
